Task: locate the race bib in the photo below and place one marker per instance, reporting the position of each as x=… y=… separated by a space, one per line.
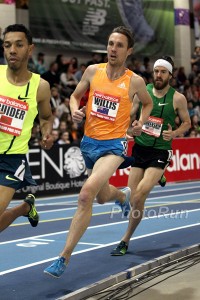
x=153 y=126
x=105 y=106
x=14 y=113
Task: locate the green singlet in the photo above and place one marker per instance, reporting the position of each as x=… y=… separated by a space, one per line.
x=163 y=113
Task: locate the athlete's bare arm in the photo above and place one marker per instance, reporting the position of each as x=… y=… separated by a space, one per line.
x=180 y=106
x=82 y=87
x=138 y=88
x=133 y=115
x=135 y=107
x=45 y=113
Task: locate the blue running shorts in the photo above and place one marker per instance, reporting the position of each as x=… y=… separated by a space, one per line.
x=15 y=171
x=93 y=149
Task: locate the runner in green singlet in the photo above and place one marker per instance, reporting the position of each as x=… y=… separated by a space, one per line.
x=153 y=147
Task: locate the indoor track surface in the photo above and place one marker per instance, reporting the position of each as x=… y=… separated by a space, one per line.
x=171 y=222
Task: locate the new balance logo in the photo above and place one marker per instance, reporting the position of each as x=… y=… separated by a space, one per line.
x=10 y=178
x=161 y=104
x=122 y=85
x=94 y=18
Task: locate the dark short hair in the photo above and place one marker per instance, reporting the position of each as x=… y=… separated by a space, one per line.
x=19 y=28
x=127 y=32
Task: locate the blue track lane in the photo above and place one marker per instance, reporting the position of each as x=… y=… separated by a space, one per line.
x=171 y=222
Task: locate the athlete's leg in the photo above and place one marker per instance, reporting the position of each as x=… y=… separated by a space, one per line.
x=7 y=216
x=139 y=192
x=120 y=196
x=102 y=171
x=163 y=180
x=110 y=193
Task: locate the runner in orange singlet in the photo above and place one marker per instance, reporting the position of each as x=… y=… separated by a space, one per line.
x=111 y=91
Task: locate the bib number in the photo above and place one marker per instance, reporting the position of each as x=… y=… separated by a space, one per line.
x=153 y=126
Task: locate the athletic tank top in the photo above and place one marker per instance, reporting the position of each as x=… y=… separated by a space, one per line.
x=109 y=105
x=19 y=105
x=162 y=114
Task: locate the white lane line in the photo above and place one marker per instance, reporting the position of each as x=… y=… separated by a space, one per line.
x=157 y=188
x=42 y=240
x=178 y=189
x=92 y=244
x=95 y=248
x=33 y=237
x=97 y=226
x=151 y=200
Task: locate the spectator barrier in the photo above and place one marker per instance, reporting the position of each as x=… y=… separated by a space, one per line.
x=62 y=170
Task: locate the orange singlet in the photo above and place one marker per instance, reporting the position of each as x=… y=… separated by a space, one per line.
x=109 y=106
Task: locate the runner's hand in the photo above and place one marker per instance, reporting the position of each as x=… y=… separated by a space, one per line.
x=47 y=142
x=137 y=128
x=168 y=134
x=129 y=137
x=79 y=114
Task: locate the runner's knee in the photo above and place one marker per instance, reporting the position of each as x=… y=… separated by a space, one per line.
x=85 y=198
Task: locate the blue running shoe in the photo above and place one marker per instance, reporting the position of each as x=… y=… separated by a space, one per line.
x=126 y=205
x=57 y=268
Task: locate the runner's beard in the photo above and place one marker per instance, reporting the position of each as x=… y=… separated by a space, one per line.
x=160 y=85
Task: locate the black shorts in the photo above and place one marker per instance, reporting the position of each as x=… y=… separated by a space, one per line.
x=15 y=171
x=146 y=157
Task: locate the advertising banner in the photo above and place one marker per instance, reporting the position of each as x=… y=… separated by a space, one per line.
x=86 y=24
x=62 y=171
x=185 y=163
x=58 y=171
